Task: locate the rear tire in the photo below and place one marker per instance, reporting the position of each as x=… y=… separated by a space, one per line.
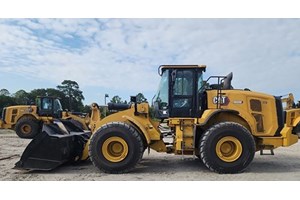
x=116 y=148
x=227 y=148
x=27 y=127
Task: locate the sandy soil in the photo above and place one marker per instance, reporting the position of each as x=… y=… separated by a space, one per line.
x=284 y=165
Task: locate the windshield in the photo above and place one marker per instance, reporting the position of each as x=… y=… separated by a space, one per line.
x=57 y=106
x=200 y=79
x=163 y=90
x=200 y=82
x=46 y=104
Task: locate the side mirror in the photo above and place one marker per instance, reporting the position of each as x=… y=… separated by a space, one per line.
x=133 y=99
x=173 y=76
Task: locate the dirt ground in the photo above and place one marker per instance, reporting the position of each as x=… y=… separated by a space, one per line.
x=284 y=165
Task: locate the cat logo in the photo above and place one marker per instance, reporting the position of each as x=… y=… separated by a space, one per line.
x=222 y=100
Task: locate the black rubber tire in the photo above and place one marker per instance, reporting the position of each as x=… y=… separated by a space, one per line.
x=209 y=140
x=34 y=125
x=129 y=135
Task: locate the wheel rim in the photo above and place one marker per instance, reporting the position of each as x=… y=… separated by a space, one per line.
x=115 y=149
x=26 y=129
x=229 y=149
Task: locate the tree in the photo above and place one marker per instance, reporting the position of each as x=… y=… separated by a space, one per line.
x=140 y=98
x=86 y=109
x=33 y=94
x=73 y=94
x=116 y=99
x=22 y=97
x=4 y=92
x=49 y=92
x=57 y=93
x=6 y=101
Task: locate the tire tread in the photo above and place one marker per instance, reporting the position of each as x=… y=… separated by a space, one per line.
x=132 y=131
x=203 y=144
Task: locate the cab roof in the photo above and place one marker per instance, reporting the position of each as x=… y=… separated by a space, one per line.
x=50 y=97
x=203 y=67
x=183 y=66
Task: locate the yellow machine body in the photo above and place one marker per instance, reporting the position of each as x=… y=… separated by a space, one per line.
x=143 y=123
x=13 y=114
x=261 y=121
x=260 y=118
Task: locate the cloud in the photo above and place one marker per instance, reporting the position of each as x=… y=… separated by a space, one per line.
x=123 y=54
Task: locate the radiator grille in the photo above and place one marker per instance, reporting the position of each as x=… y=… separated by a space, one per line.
x=259 y=122
x=255 y=105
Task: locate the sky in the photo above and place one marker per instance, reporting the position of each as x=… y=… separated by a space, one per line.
x=121 y=56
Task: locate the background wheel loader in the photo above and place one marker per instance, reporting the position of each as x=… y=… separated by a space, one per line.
x=222 y=126
x=27 y=120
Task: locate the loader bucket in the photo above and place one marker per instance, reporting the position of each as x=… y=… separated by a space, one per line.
x=55 y=146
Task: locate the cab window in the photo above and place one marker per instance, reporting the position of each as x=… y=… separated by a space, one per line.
x=46 y=104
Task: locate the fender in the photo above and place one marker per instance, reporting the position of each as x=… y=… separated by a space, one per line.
x=140 y=126
x=211 y=113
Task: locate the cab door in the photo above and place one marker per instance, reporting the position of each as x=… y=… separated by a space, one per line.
x=182 y=93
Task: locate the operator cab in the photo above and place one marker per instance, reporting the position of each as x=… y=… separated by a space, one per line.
x=177 y=95
x=49 y=106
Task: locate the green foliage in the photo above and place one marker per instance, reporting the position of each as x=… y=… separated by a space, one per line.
x=22 y=97
x=116 y=99
x=4 y=92
x=69 y=93
x=140 y=98
x=6 y=101
x=74 y=95
x=102 y=110
x=49 y=92
x=86 y=109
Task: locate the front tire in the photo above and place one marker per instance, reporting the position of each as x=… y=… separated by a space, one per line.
x=227 y=147
x=116 y=148
x=27 y=127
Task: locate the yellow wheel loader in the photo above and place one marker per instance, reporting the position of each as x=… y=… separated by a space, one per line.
x=221 y=125
x=27 y=120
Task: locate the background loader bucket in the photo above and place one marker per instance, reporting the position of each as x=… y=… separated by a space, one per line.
x=58 y=143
